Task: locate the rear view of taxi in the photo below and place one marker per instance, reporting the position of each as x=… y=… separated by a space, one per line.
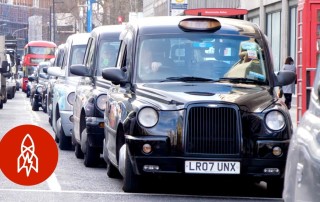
x=195 y=96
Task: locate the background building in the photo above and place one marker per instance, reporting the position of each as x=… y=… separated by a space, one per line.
x=278 y=20
x=52 y=20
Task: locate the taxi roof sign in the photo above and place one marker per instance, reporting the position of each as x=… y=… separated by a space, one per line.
x=199 y=24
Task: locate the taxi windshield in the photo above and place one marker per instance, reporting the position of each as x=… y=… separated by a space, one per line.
x=206 y=57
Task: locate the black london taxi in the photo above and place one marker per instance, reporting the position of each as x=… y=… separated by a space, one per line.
x=38 y=83
x=195 y=96
x=91 y=92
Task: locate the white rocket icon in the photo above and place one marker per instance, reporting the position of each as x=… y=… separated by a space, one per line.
x=27 y=158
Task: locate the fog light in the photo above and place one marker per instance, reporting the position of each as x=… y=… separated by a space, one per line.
x=274 y=171
x=146 y=148
x=101 y=125
x=150 y=167
x=71 y=118
x=277 y=151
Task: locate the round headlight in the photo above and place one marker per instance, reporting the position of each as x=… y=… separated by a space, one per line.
x=101 y=102
x=275 y=120
x=148 y=117
x=71 y=98
x=39 y=89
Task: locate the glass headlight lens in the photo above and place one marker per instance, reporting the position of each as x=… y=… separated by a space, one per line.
x=40 y=89
x=101 y=102
x=148 y=117
x=275 y=120
x=71 y=98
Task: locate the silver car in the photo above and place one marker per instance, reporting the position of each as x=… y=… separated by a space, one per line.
x=302 y=175
x=64 y=88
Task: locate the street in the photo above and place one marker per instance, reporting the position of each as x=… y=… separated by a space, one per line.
x=72 y=181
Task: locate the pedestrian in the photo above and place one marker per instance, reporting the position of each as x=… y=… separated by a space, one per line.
x=288 y=90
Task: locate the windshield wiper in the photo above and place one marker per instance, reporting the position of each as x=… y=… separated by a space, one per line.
x=241 y=80
x=189 y=78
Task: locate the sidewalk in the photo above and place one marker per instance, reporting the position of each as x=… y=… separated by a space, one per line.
x=293 y=111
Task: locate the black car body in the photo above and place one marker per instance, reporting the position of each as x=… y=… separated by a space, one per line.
x=39 y=84
x=210 y=109
x=91 y=92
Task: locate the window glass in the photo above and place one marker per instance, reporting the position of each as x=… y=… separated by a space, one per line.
x=292 y=33
x=274 y=35
x=77 y=54
x=41 y=50
x=108 y=52
x=89 y=54
x=204 y=56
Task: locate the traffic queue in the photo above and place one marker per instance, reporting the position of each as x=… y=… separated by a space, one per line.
x=183 y=95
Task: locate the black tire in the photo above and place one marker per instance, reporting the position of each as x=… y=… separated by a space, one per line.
x=275 y=187
x=131 y=181
x=56 y=138
x=1 y=104
x=5 y=100
x=13 y=92
x=64 y=141
x=44 y=108
x=28 y=94
x=9 y=96
x=77 y=151
x=50 y=118
x=35 y=106
x=92 y=156
x=112 y=171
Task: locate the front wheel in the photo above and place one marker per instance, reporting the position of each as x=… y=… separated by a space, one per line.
x=35 y=106
x=1 y=104
x=64 y=141
x=112 y=171
x=92 y=156
x=131 y=181
x=275 y=187
x=77 y=151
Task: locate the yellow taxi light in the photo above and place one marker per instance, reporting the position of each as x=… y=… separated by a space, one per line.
x=200 y=24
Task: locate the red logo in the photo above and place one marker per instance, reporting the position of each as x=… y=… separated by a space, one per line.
x=28 y=155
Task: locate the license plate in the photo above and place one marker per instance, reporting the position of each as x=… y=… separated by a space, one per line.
x=212 y=167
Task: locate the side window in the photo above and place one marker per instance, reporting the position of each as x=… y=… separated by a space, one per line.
x=65 y=60
x=88 y=60
x=125 y=56
x=129 y=41
x=122 y=54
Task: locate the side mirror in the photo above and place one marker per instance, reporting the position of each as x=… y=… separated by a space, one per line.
x=56 y=71
x=115 y=75
x=31 y=78
x=80 y=70
x=284 y=78
x=43 y=76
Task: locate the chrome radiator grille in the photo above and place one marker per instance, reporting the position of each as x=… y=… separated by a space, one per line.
x=212 y=130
